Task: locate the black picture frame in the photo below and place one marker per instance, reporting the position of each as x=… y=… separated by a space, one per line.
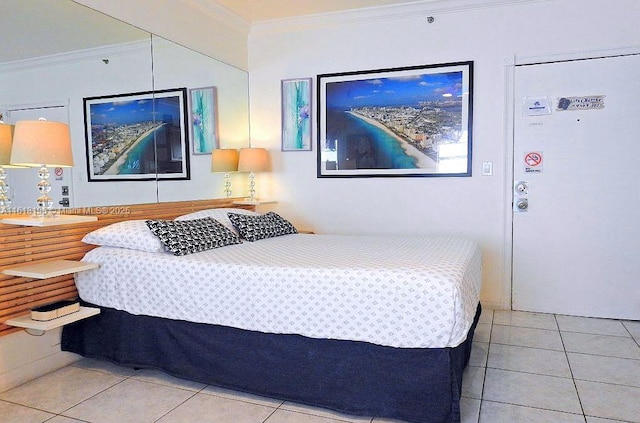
x=404 y=121
x=137 y=136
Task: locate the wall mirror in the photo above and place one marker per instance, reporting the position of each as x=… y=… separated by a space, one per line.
x=57 y=53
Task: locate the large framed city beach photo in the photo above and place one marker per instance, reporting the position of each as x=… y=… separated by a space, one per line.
x=137 y=136
x=409 y=121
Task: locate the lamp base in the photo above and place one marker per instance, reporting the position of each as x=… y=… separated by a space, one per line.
x=5 y=200
x=252 y=187
x=44 y=202
x=227 y=185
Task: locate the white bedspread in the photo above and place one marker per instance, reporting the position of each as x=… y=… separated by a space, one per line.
x=399 y=291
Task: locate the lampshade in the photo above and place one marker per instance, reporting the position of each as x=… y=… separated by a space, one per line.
x=41 y=142
x=224 y=160
x=6 y=139
x=253 y=160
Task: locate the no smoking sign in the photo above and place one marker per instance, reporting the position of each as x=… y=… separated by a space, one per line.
x=58 y=171
x=533 y=162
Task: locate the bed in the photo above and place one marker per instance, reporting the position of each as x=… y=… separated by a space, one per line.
x=365 y=325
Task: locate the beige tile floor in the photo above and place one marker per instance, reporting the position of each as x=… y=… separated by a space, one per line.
x=525 y=367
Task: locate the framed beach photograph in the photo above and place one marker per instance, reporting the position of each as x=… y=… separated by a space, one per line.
x=204 y=128
x=296 y=114
x=409 y=121
x=138 y=136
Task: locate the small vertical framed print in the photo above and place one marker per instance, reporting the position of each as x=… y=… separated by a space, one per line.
x=296 y=114
x=204 y=131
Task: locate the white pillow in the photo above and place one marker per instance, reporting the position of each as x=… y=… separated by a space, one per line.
x=219 y=214
x=131 y=234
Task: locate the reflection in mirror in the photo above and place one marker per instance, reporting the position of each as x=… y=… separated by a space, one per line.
x=89 y=55
x=67 y=52
x=179 y=67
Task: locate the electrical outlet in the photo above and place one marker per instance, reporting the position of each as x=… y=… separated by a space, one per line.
x=487 y=168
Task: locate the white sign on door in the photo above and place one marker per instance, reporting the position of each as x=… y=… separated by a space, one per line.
x=536 y=106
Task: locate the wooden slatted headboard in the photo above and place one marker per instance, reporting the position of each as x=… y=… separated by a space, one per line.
x=25 y=244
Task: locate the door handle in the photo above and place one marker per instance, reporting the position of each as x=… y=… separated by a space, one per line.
x=522 y=204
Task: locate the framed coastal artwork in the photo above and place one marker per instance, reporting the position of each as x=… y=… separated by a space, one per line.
x=204 y=110
x=138 y=136
x=409 y=121
x=296 y=114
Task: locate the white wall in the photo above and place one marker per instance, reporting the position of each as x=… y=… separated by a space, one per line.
x=24 y=357
x=487 y=32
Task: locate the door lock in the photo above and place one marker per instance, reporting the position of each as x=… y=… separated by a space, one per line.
x=520 y=196
x=521 y=188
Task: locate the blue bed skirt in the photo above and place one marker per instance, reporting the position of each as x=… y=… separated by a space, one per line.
x=411 y=384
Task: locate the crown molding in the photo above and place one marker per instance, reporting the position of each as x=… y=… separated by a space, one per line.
x=219 y=13
x=380 y=13
x=104 y=52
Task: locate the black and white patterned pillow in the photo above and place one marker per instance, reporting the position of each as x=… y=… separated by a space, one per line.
x=192 y=236
x=268 y=225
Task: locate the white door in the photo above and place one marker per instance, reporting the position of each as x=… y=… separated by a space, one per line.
x=576 y=247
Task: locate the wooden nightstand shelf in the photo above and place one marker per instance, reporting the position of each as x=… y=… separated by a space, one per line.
x=49 y=269
x=63 y=219
x=45 y=270
x=35 y=325
x=253 y=203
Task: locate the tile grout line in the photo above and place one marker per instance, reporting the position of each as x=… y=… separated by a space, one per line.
x=134 y=377
x=61 y=414
x=542 y=409
x=637 y=341
x=30 y=407
x=196 y=392
x=573 y=379
x=486 y=365
x=272 y=413
x=174 y=408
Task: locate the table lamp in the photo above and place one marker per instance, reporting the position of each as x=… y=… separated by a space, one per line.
x=41 y=143
x=253 y=160
x=6 y=139
x=225 y=160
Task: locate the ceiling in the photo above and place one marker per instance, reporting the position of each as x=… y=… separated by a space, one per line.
x=35 y=28
x=259 y=10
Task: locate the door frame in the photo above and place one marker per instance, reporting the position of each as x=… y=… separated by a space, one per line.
x=510 y=64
